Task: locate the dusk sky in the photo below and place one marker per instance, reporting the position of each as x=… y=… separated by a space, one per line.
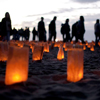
x=27 y=13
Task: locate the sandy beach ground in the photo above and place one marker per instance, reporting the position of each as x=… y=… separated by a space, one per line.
x=47 y=80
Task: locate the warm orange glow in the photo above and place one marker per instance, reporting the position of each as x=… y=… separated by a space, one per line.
x=46 y=47
x=99 y=43
x=37 y=53
x=72 y=42
x=80 y=75
x=93 y=43
x=88 y=45
x=68 y=46
x=80 y=43
x=3 y=51
x=84 y=47
x=65 y=49
x=57 y=44
x=17 y=65
x=64 y=44
x=92 y=48
x=60 y=54
x=74 y=65
x=20 y=43
x=16 y=78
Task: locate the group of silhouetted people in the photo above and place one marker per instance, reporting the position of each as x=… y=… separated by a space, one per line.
x=78 y=30
x=24 y=33
x=42 y=31
x=97 y=31
x=6 y=30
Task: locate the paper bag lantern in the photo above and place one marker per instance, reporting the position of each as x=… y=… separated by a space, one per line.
x=72 y=42
x=84 y=47
x=57 y=44
x=92 y=48
x=64 y=44
x=60 y=54
x=74 y=65
x=37 y=53
x=86 y=42
x=89 y=45
x=17 y=65
x=46 y=47
x=68 y=46
x=93 y=43
x=3 y=51
x=20 y=43
x=99 y=43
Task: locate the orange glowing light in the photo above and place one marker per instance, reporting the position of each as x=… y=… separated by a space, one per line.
x=4 y=51
x=75 y=65
x=88 y=45
x=37 y=53
x=92 y=48
x=16 y=78
x=84 y=47
x=99 y=43
x=46 y=47
x=68 y=46
x=60 y=54
x=57 y=44
x=17 y=65
x=72 y=42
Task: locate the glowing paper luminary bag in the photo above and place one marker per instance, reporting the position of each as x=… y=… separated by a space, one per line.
x=3 y=51
x=68 y=46
x=92 y=48
x=99 y=43
x=37 y=53
x=20 y=43
x=89 y=45
x=84 y=47
x=75 y=64
x=60 y=54
x=17 y=65
x=46 y=47
x=57 y=44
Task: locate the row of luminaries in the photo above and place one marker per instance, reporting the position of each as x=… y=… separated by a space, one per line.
x=16 y=53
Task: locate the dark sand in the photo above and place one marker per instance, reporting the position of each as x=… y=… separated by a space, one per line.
x=47 y=79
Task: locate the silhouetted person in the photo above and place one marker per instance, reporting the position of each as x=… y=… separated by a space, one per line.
x=80 y=30
x=41 y=30
x=97 y=31
x=15 y=34
x=62 y=31
x=67 y=30
x=74 y=30
x=52 y=29
x=27 y=33
x=35 y=33
x=21 y=33
x=6 y=27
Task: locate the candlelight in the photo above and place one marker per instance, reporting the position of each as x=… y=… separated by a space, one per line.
x=60 y=54
x=17 y=65
x=75 y=64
